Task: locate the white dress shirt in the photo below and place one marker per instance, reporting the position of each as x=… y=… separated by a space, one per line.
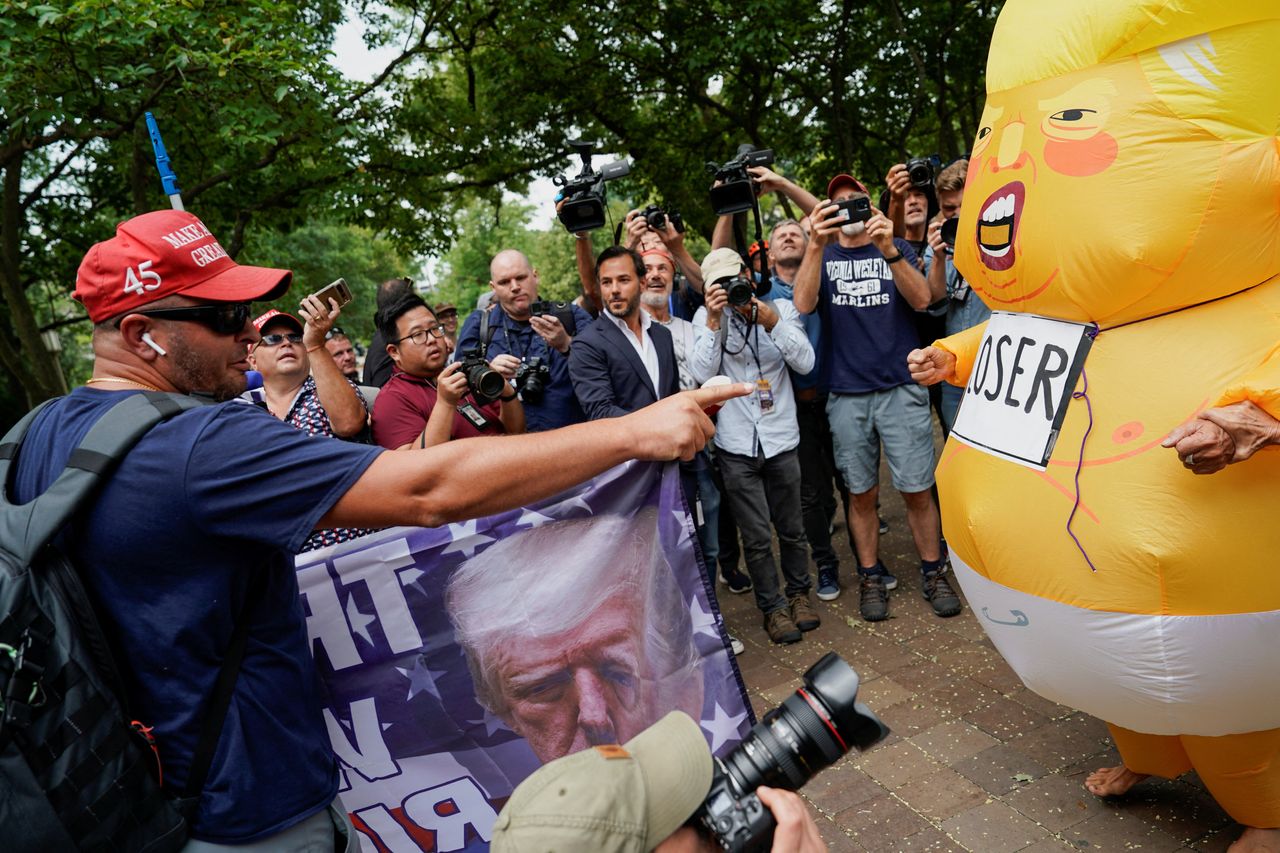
x=643 y=345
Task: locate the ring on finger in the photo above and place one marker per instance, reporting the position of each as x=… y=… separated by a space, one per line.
x=1191 y=459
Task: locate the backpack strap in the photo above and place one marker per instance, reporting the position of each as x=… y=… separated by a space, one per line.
x=26 y=528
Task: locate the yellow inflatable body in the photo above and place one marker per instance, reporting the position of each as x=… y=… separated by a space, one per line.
x=1126 y=174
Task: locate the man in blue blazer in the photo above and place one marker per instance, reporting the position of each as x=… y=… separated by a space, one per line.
x=624 y=360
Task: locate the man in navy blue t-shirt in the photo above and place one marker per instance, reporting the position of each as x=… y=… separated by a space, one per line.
x=223 y=494
x=865 y=286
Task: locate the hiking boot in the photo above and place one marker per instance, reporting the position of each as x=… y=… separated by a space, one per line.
x=738 y=582
x=803 y=612
x=780 y=628
x=736 y=645
x=938 y=592
x=874 y=598
x=829 y=583
x=884 y=526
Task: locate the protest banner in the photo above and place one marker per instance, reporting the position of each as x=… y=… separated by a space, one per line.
x=457 y=660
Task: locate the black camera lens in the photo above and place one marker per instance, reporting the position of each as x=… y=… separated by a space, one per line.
x=948 y=231
x=483 y=381
x=656 y=217
x=804 y=735
x=807 y=733
x=920 y=170
x=531 y=380
x=739 y=290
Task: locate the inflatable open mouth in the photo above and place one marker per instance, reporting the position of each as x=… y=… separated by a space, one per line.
x=998 y=225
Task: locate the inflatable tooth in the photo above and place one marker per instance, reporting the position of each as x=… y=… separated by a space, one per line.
x=1125 y=184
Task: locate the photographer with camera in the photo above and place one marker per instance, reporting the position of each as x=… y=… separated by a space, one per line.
x=965 y=309
x=428 y=401
x=758 y=341
x=535 y=333
x=864 y=285
x=664 y=790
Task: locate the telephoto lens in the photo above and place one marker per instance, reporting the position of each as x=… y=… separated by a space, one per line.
x=811 y=730
x=484 y=382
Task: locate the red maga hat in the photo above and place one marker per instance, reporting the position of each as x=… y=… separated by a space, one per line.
x=162 y=253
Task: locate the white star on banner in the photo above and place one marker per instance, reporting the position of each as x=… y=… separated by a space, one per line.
x=682 y=519
x=464 y=538
x=359 y=621
x=722 y=727
x=579 y=501
x=421 y=678
x=410 y=576
x=491 y=723
x=529 y=518
x=702 y=621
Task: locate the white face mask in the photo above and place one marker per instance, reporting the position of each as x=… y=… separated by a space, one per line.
x=853 y=229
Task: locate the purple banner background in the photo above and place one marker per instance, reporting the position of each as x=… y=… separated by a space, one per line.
x=425 y=765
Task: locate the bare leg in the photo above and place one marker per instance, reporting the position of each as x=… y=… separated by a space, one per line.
x=1112 y=781
x=865 y=525
x=1257 y=841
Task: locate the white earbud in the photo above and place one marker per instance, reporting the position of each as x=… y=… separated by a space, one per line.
x=146 y=339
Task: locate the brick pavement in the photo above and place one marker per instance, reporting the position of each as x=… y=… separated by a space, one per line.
x=976 y=761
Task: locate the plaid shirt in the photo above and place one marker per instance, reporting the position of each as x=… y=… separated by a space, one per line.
x=306 y=414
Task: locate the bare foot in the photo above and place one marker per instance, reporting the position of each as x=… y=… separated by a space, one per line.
x=1112 y=781
x=1257 y=841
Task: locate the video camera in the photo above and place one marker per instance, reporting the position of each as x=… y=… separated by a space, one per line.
x=737 y=190
x=583 y=208
x=923 y=170
x=811 y=730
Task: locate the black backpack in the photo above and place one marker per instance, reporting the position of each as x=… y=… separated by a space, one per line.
x=76 y=772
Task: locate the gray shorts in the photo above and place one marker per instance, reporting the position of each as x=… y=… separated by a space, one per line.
x=897 y=417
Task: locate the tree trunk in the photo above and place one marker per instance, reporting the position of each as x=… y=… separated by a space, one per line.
x=35 y=367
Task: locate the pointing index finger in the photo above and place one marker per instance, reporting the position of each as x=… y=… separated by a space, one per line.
x=717 y=394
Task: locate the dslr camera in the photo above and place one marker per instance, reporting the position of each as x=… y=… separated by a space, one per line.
x=808 y=732
x=739 y=290
x=532 y=378
x=484 y=383
x=657 y=218
x=737 y=190
x=562 y=311
x=950 y=227
x=923 y=170
x=583 y=194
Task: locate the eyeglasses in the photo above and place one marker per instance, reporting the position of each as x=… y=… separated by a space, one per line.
x=275 y=339
x=335 y=332
x=224 y=318
x=420 y=336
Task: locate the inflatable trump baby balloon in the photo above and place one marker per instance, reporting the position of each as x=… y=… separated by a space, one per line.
x=1122 y=218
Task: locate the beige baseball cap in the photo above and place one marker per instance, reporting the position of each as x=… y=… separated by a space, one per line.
x=616 y=798
x=721 y=263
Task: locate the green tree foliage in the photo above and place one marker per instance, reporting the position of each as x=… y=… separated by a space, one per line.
x=268 y=138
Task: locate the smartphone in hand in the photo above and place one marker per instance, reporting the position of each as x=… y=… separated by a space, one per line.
x=338 y=291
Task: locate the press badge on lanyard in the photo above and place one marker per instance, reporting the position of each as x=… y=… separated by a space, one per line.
x=764 y=392
x=1020 y=386
x=474 y=415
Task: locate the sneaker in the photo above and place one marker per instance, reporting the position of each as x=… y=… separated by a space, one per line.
x=829 y=583
x=738 y=582
x=884 y=526
x=874 y=603
x=938 y=592
x=780 y=628
x=737 y=645
x=803 y=613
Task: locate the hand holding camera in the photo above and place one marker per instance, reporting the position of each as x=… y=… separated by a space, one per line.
x=451 y=384
x=899 y=181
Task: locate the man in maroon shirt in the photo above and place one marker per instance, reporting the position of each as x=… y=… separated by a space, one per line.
x=426 y=402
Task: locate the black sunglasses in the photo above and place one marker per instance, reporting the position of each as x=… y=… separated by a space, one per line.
x=224 y=318
x=334 y=332
x=275 y=339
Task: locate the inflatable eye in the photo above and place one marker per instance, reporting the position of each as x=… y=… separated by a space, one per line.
x=981 y=143
x=1075 y=123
